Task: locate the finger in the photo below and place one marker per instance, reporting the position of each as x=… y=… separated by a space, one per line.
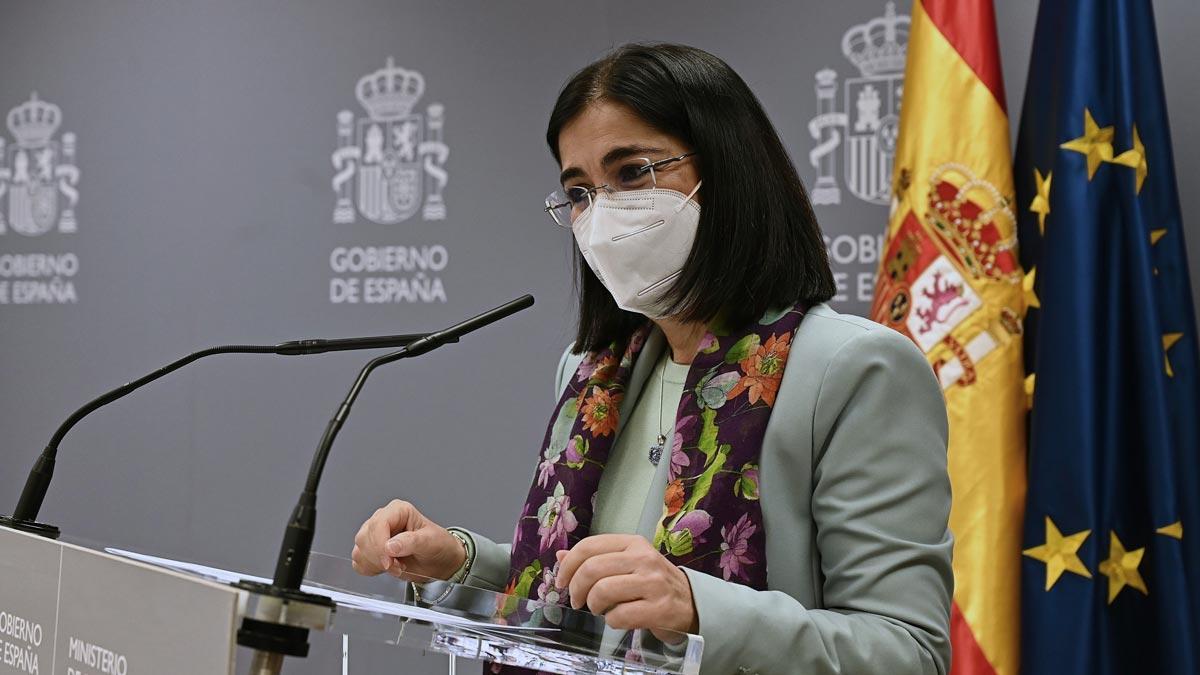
x=362 y=563
x=596 y=568
x=376 y=530
x=400 y=515
x=365 y=567
x=397 y=516
x=611 y=592
x=592 y=546
x=360 y=537
x=407 y=544
x=634 y=614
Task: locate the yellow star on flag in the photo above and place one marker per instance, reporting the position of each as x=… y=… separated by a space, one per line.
x=1174 y=530
x=1060 y=553
x=1095 y=143
x=1168 y=341
x=1155 y=236
x=1135 y=159
x=1121 y=568
x=1041 y=202
x=1031 y=298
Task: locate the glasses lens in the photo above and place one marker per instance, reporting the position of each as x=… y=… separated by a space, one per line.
x=636 y=175
x=558 y=205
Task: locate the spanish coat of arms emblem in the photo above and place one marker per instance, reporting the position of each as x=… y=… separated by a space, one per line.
x=867 y=125
x=36 y=170
x=391 y=163
x=937 y=266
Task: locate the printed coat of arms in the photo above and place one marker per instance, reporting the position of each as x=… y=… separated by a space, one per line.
x=869 y=119
x=36 y=170
x=391 y=162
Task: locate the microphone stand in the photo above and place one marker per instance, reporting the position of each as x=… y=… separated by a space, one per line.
x=273 y=633
x=285 y=614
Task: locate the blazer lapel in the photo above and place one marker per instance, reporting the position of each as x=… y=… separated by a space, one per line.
x=651 y=352
x=647 y=358
x=656 y=343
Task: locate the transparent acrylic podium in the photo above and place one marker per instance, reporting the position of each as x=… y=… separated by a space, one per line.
x=480 y=624
x=461 y=621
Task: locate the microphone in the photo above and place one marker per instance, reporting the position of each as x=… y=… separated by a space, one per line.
x=269 y=633
x=24 y=518
x=438 y=338
x=306 y=347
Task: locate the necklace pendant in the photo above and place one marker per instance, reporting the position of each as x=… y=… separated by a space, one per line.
x=656 y=450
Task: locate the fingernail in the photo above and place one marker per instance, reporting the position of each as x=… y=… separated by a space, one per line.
x=392 y=547
x=385 y=562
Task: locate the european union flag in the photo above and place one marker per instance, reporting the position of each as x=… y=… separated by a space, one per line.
x=1111 y=566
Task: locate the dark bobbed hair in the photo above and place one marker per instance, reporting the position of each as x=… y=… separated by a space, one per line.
x=758 y=245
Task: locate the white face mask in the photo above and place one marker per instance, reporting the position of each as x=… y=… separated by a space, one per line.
x=637 y=242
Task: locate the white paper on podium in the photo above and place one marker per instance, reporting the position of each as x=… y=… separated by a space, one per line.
x=397 y=609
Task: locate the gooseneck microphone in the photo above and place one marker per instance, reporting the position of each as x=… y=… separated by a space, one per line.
x=25 y=516
x=269 y=634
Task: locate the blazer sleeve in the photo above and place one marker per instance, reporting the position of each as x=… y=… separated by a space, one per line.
x=880 y=503
x=489 y=561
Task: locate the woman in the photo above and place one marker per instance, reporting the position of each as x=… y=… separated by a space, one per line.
x=789 y=435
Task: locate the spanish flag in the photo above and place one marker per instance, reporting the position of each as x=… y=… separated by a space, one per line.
x=951 y=280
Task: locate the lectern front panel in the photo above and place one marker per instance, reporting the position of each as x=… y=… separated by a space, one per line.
x=71 y=610
x=28 y=602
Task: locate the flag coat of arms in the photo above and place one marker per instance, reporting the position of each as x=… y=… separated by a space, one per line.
x=950 y=279
x=1111 y=566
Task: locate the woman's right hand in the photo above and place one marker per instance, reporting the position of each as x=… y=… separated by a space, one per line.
x=399 y=540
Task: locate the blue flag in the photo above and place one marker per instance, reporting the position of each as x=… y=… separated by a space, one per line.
x=1111 y=565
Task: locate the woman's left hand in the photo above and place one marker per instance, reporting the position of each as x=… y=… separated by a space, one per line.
x=625 y=579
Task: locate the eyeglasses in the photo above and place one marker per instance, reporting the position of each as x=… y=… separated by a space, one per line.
x=564 y=206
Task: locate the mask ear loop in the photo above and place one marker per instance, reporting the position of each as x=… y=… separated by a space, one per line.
x=688 y=198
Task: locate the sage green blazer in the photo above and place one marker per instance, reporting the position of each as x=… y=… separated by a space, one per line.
x=855 y=501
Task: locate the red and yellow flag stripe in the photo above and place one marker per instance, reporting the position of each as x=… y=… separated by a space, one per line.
x=950 y=279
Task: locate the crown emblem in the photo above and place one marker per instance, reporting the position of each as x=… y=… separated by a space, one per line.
x=390 y=92
x=878 y=46
x=977 y=222
x=33 y=122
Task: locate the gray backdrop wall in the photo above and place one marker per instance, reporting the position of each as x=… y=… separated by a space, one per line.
x=206 y=140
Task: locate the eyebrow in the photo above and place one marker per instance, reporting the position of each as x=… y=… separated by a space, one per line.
x=614 y=155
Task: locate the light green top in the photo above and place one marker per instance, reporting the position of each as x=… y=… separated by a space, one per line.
x=629 y=474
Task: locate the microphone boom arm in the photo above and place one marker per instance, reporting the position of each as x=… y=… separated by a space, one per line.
x=38 y=482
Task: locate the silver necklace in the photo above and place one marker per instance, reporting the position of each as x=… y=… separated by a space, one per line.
x=656 y=450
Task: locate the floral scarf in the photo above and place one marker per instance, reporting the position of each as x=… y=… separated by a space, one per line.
x=712 y=521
